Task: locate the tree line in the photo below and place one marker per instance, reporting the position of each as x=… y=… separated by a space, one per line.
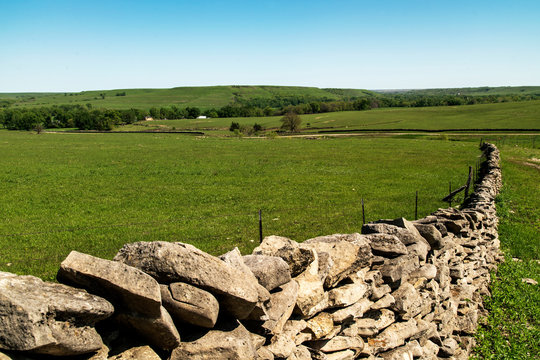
x=84 y=117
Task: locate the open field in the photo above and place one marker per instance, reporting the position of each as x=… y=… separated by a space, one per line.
x=512 y=329
x=204 y=97
x=95 y=192
x=475 y=91
x=519 y=115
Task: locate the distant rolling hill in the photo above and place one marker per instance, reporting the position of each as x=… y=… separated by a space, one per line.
x=204 y=97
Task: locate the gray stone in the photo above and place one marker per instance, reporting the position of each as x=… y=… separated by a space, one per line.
x=393 y=336
x=338 y=343
x=371 y=324
x=128 y=288
x=49 y=318
x=351 y=312
x=408 y=301
x=137 y=353
x=270 y=271
x=281 y=346
x=448 y=348
x=159 y=331
x=346 y=295
x=228 y=340
x=187 y=303
x=287 y=249
x=282 y=304
x=311 y=296
x=177 y=262
x=431 y=234
x=346 y=256
x=386 y=245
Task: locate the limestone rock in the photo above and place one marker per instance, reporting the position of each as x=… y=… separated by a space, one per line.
x=408 y=302
x=393 y=336
x=448 y=348
x=431 y=234
x=281 y=346
x=301 y=353
x=264 y=354
x=270 y=271
x=282 y=304
x=159 y=331
x=354 y=311
x=346 y=256
x=386 y=245
x=338 y=343
x=346 y=295
x=187 y=303
x=311 y=296
x=128 y=288
x=371 y=324
x=178 y=262
x=341 y=355
x=287 y=249
x=48 y=318
x=228 y=340
x=320 y=325
x=138 y=353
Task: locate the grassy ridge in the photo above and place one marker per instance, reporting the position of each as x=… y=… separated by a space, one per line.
x=474 y=91
x=95 y=192
x=484 y=116
x=512 y=329
x=204 y=97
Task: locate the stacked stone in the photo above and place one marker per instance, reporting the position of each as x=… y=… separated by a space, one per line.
x=399 y=290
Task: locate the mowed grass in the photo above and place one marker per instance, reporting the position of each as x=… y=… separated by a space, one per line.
x=512 y=329
x=95 y=192
x=518 y=115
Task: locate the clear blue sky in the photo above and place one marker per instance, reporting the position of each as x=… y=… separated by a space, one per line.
x=57 y=45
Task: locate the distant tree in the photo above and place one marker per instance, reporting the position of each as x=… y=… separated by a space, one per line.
x=291 y=122
x=193 y=112
x=257 y=127
x=154 y=112
x=234 y=126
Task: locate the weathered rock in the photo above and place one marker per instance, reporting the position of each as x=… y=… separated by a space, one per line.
x=346 y=295
x=371 y=324
x=281 y=346
x=138 y=353
x=338 y=343
x=320 y=325
x=393 y=336
x=48 y=318
x=386 y=245
x=431 y=234
x=311 y=296
x=270 y=271
x=159 y=331
x=408 y=302
x=448 y=348
x=386 y=301
x=379 y=291
x=177 y=262
x=407 y=233
x=287 y=249
x=282 y=304
x=351 y=312
x=228 y=340
x=428 y=271
x=346 y=256
x=394 y=271
x=128 y=288
x=301 y=353
x=419 y=249
x=264 y=354
x=187 y=303
x=341 y=355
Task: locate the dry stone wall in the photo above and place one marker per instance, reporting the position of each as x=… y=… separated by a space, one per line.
x=398 y=290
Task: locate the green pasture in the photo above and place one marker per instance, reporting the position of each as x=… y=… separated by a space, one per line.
x=472 y=91
x=95 y=192
x=518 y=115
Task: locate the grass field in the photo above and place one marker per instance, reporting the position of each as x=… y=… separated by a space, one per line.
x=512 y=329
x=519 y=115
x=95 y=192
x=204 y=97
x=478 y=91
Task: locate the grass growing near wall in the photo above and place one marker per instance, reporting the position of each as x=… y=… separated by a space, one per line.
x=95 y=192
x=512 y=330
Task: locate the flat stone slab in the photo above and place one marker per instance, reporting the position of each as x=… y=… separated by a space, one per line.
x=178 y=262
x=128 y=288
x=187 y=303
x=49 y=318
x=270 y=271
